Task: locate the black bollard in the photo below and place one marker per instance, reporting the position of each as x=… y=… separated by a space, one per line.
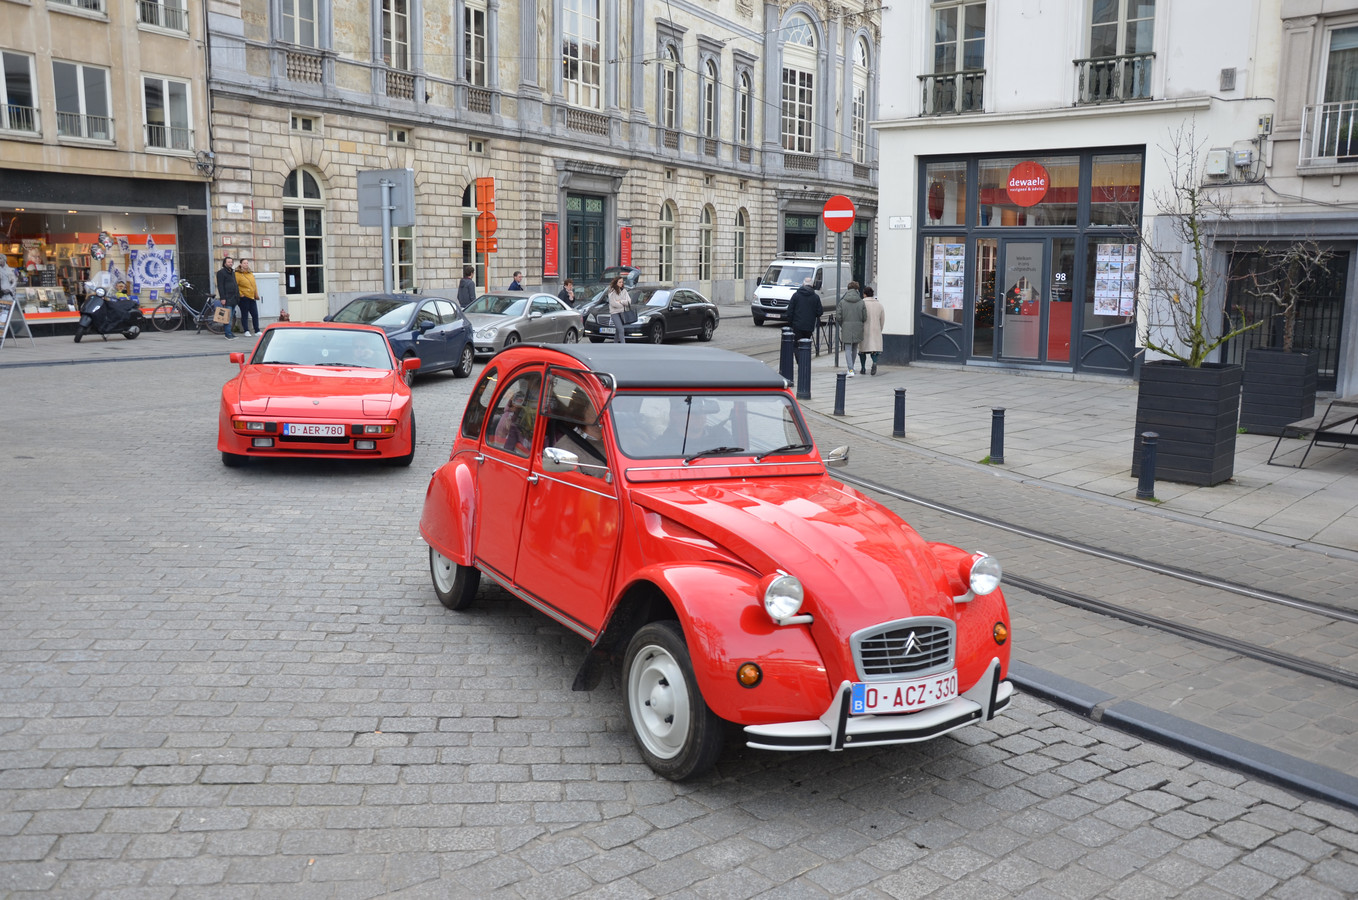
x=785 y=355
x=898 y=423
x=997 y=436
x=1145 y=487
x=804 y=369
x=841 y=379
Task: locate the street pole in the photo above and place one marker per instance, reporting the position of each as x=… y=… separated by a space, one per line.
x=387 y=185
x=839 y=290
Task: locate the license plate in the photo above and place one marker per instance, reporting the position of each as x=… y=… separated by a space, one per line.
x=883 y=697
x=605 y=329
x=292 y=429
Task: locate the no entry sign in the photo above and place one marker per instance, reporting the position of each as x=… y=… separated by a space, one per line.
x=838 y=214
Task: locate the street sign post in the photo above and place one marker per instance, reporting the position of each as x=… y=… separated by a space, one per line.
x=386 y=198
x=838 y=216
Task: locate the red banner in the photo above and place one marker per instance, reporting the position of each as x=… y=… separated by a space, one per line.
x=625 y=246
x=550 y=266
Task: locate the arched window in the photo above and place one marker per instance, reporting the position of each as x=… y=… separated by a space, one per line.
x=665 y=269
x=799 y=85
x=669 y=88
x=709 y=112
x=860 y=101
x=739 y=271
x=581 y=52
x=744 y=107
x=303 y=234
x=705 y=245
x=469 y=255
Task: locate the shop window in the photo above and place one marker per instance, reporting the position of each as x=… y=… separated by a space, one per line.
x=1041 y=191
x=168 y=14
x=167 y=114
x=298 y=20
x=82 y=101
x=581 y=53
x=799 y=85
x=403 y=257
x=1115 y=195
x=957 y=83
x=474 y=42
x=303 y=234
x=705 y=245
x=1111 y=265
x=396 y=33
x=1121 y=41
x=739 y=270
x=709 y=94
x=665 y=264
x=18 y=112
x=800 y=233
x=744 y=107
x=946 y=193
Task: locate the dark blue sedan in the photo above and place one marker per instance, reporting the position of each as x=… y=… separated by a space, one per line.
x=433 y=328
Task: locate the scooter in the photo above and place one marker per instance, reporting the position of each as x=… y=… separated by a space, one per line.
x=105 y=315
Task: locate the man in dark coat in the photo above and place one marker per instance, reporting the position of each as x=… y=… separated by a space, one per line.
x=466 y=288
x=227 y=291
x=804 y=310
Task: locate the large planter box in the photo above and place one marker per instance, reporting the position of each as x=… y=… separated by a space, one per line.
x=1278 y=388
x=1195 y=412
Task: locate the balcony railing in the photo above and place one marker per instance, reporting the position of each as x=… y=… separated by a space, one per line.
x=169 y=137
x=162 y=15
x=87 y=5
x=478 y=100
x=96 y=128
x=1329 y=133
x=19 y=118
x=587 y=122
x=304 y=65
x=1114 y=79
x=400 y=85
x=670 y=139
x=801 y=162
x=948 y=93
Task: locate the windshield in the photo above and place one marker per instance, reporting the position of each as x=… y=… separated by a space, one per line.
x=653 y=426
x=653 y=297
x=376 y=311
x=338 y=347
x=499 y=304
x=785 y=275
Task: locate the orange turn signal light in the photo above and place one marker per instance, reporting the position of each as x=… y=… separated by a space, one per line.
x=749 y=675
x=1001 y=632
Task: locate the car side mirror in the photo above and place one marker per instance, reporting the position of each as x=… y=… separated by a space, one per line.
x=410 y=364
x=758 y=281
x=535 y=315
x=329 y=318
x=425 y=325
x=554 y=459
x=837 y=457
x=238 y=358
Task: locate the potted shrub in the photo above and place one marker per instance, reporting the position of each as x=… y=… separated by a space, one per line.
x=1279 y=383
x=1190 y=401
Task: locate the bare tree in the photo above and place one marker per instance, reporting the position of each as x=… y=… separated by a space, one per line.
x=1284 y=273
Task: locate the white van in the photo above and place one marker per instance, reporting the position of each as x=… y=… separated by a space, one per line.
x=785 y=274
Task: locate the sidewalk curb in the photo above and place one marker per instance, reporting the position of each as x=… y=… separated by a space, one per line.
x=1189 y=738
x=104 y=359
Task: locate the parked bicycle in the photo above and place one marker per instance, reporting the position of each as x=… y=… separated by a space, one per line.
x=178 y=311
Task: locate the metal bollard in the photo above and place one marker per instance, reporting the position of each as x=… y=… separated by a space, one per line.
x=841 y=379
x=804 y=369
x=785 y=355
x=898 y=423
x=997 y=436
x=1145 y=486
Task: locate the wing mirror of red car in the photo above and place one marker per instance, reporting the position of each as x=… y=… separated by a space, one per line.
x=837 y=457
x=410 y=364
x=238 y=358
x=554 y=459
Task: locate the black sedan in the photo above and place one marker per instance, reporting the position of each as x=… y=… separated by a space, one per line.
x=663 y=312
x=631 y=276
x=432 y=328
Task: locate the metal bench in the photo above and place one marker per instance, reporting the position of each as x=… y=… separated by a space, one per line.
x=1328 y=430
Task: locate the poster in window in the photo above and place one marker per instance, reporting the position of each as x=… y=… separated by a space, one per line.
x=1115 y=279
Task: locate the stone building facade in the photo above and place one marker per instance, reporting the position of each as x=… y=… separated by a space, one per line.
x=701 y=140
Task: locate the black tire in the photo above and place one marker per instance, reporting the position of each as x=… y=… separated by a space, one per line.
x=403 y=461
x=656 y=333
x=233 y=460
x=758 y=319
x=166 y=317
x=678 y=735
x=455 y=585
x=511 y=339
x=709 y=329
x=132 y=333
x=572 y=336
x=464 y=367
x=79 y=333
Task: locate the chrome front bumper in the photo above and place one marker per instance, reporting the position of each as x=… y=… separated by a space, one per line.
x=836 y=729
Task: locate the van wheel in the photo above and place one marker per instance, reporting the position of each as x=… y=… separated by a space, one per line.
x=758 y=319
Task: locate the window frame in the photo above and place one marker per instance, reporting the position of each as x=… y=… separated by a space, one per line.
x=576 y=86
x=669 y=88
x=797 y=98
x=711 y=83
x=959 y=41
x=84 y=115
x=396 y=48
x=475 y=42
x=739 y=237
x=706 y=235
x=168 y=126
x=6 y=115
x=403 y=257
x=744 y=108
x=291 y=21
x=1121 y=33
x=665 y=243
x=298 y=204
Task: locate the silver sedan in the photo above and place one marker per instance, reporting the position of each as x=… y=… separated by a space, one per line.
x=502 y=320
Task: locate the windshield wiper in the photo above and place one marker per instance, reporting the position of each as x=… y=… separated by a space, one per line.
x=715 y=451
x=779 y=451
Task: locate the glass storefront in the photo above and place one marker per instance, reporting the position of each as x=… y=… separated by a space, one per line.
x=59 y=257
x=1030 y=260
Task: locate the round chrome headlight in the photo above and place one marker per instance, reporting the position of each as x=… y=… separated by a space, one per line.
x=485 y=334
x=783 y=597
x=985 y=574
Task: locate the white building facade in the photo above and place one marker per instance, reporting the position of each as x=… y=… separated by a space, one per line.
x=1027 y=142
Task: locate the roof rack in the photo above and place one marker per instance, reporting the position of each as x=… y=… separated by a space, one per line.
x=816 y=256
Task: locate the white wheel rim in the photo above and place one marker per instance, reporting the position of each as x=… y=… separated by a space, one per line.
x=443 y=569
x=658 y=698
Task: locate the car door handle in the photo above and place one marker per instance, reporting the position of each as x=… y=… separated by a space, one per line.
x=480 y=458
x=532 y=479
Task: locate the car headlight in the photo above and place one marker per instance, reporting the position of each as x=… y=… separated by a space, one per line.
x=985 y=574
x=485 y=334
x=642 y=320
x=783 y=597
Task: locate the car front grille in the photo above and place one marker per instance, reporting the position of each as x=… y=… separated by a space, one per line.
x=907 y=647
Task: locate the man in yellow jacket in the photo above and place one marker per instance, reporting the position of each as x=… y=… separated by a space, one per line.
x=249 y=297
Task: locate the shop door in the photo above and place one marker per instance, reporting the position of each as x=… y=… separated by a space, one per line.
x=584 y=237
x=1035 y=300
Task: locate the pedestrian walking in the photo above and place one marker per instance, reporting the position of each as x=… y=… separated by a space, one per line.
x=619 y=308
x=466 y=288
x=567 y=295
x=249 y=297
x=872 y=331
x=516 y=284
x=227 y=292
x=851 y=315
x=804 y=310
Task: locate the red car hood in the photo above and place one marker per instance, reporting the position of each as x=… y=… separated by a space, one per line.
x=291 y=390
x=859 y=564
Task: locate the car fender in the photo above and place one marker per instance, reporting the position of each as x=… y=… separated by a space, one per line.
x=449 y=513
x=725 y=625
